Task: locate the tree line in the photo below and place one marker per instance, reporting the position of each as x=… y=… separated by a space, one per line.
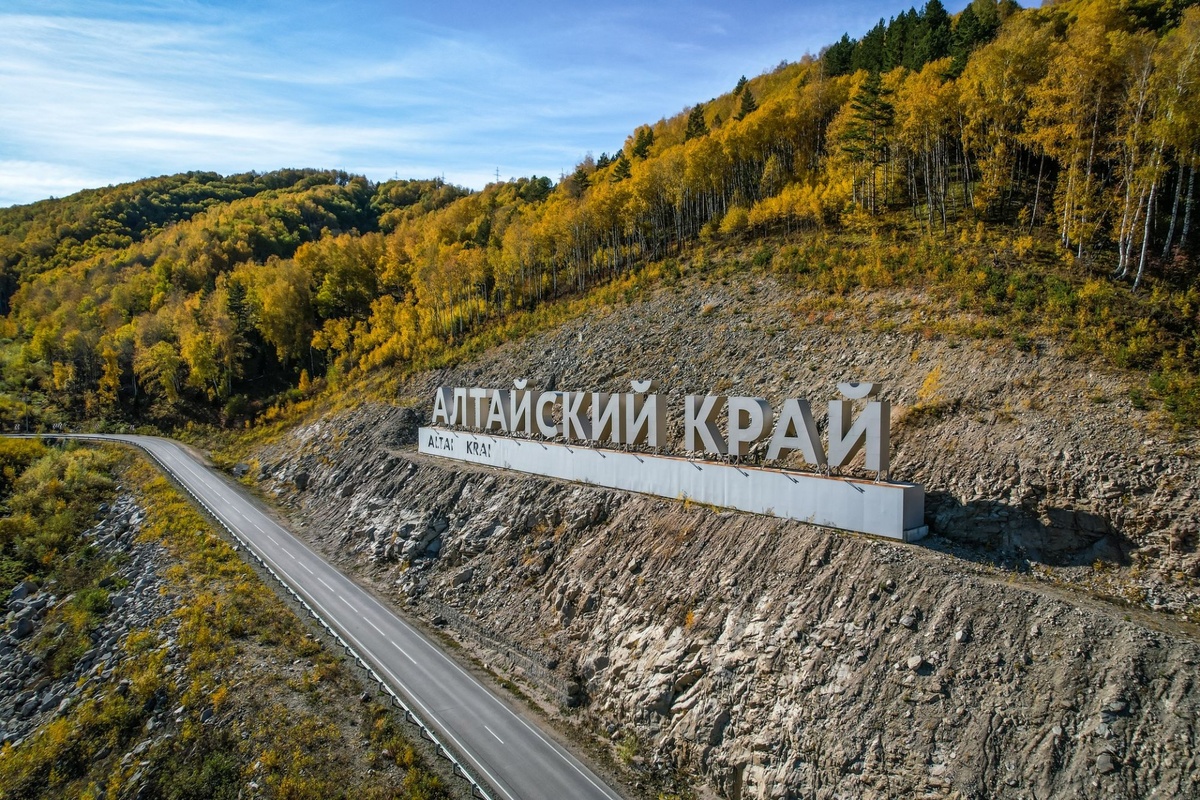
x=1076 y=122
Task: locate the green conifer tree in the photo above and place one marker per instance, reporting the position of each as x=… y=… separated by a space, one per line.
x=868 y=54
x=695 y=123
x=621 y=170
x=838 y=57
x=748 y=104
x=642 y=141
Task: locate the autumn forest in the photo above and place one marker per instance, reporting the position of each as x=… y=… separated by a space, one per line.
x=1036 y=167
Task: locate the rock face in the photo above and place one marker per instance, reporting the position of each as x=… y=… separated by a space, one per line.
x=1025 y=455
x=768 y=657
x=773 y=659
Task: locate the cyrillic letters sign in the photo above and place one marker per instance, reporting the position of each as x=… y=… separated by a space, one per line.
x=638 y=418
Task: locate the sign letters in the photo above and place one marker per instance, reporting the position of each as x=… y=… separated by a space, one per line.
x=712 y=424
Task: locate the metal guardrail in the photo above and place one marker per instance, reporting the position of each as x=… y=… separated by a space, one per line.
x=532 y=664
x=426 y=730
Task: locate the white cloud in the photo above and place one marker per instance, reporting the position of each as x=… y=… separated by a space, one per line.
x=27 y=181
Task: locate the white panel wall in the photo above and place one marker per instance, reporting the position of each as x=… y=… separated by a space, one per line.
x=894 y=510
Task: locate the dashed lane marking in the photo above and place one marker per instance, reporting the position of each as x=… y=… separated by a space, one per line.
x=402 y=650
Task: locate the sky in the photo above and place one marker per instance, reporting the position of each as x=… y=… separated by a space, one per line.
x=94 y=93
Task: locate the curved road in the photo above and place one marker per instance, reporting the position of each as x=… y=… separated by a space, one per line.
x=504 y=749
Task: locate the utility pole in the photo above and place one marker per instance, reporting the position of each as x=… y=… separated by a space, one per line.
x=497 y=174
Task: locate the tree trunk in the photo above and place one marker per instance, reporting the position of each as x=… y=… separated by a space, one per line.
x=1145 y=236
x=1166 y=251
x=1087 y=185
x=1037 y=193
x=1187 y=206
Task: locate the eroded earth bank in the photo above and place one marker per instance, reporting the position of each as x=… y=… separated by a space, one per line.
x=1037 y=644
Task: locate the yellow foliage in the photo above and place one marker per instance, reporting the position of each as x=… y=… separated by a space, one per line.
x=930 y=392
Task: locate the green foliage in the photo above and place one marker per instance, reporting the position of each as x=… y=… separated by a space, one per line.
x=642 y=141
x=838 y=57
x=912 y=40
x=747 y=105
x=56 y=233
x=628 y=748
x=696 y=126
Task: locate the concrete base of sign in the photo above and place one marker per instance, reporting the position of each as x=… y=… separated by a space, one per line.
x=894 y=510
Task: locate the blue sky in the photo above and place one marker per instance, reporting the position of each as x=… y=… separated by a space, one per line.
x=94 y=93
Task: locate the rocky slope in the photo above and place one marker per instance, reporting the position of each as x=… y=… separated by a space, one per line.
x=28 y=697
x=1036 y=645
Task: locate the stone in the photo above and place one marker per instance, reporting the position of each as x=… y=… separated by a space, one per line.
x=914 y=663
x=909 y=621
x=240 y=470
x=464 y=577
x=22 y=590
x=301 y=480
x=1105 y=764
x=22 y=627
x=962 y=636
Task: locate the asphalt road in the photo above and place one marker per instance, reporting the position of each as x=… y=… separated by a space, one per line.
x=519 y=761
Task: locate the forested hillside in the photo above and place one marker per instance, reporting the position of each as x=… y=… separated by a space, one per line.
x=1033 y=169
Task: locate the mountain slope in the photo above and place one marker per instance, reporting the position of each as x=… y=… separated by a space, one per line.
x=1042 y=640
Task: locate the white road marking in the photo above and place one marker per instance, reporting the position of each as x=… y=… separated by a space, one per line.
x=429 y=715
x=402 y=650
x=306 y=569
x=493 y=733
x=326 y=585
x=347 y=602
x=289 y=552
x=373 y=625
x=557 y=750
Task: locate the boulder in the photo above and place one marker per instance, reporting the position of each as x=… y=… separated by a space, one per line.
x=22 y=590
x=22 y=627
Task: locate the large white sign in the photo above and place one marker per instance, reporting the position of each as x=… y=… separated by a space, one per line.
x=638 y=419
x=894 y=510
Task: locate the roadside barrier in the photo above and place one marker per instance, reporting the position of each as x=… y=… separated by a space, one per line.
x=535 y=667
